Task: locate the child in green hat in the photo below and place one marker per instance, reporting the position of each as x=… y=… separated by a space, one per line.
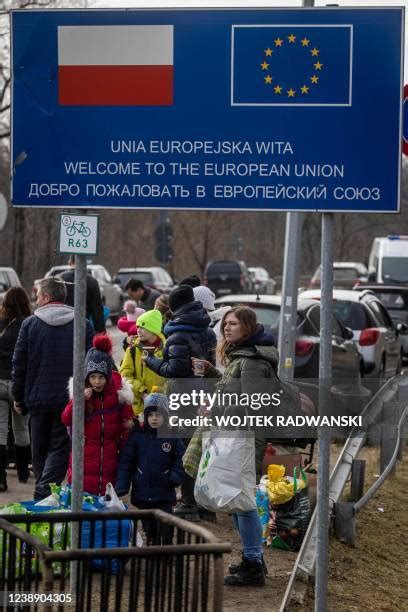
x=149 y=341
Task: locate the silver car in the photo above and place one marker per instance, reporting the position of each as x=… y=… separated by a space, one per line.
x=261 y=281
x=8 y=278
x=375 y=334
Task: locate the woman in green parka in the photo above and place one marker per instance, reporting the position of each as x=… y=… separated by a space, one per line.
x=251 y=360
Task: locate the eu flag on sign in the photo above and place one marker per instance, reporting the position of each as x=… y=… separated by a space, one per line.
x=284 y=65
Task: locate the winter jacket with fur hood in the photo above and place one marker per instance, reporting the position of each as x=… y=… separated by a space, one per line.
x=43 y=358
x=104 y=432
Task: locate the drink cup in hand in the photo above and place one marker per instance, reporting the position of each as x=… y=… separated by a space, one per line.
x=199 y=367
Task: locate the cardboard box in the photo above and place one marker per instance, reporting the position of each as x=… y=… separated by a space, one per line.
x=288 y=461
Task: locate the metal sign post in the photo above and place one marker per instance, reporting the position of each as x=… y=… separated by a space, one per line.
x=325 y=372
x=287 y=322
x=79 y=404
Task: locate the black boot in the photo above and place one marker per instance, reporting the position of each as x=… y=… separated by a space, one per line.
x=187 y=511
x=3 y=465
x=234 y=568
x=23 y=458
x=250 y=574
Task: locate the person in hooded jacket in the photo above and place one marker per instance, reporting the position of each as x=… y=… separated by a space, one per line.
x=42 y=366
x=108 y=417
x=250 y=359
x=188 y=335
x=153 y=464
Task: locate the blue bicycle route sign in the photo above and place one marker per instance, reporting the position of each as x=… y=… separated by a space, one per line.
x=232 y=109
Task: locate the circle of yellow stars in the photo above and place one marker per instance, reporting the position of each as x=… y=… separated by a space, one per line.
x=313 y=79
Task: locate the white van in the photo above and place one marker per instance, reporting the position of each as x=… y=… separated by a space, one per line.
x=388 y=261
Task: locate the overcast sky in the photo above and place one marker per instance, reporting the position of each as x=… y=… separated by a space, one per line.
x=251 y=4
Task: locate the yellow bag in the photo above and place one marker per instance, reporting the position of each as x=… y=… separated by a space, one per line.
x=275 y=472
x=280 y=490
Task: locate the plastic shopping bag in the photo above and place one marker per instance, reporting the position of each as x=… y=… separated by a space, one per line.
x=262 y=504
x=111 y=500
x=112 y=533
x=226 y=477
x=288 y=522
x=281 y=489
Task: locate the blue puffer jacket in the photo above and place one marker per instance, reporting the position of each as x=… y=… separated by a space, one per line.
x=188 y=335
x=152 y=464
x=43 y=358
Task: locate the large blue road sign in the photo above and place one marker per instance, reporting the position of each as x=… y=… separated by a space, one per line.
x=208 y=109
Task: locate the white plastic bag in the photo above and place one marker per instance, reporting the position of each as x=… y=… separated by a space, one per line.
x=114 y=504
x=51 y=501
x=111 y=500
x=226 y=476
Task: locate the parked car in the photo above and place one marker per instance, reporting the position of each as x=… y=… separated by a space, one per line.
x=346 y=356
x=8 y=278
x=261 y=281
x=155 y=277
x=346 y=274
x=229 y=276
x=374 y=332
x=395 y=299
x=388 y=260
x=111 y=294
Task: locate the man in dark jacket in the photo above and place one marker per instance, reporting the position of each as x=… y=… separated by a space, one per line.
x=42 y=366
x=188 y=335
x=94 y=305
x=144 y=296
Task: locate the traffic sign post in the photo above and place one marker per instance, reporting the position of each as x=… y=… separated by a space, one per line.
x=266 y=109
x=79 y=234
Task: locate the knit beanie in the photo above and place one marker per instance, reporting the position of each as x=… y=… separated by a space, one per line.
x=156 y=402
x=98 y=359
x=204 y=295
x=183 y=294
x=151 y=321
x=192 y=280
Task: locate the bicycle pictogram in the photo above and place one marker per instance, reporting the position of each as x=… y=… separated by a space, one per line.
x=78 y=227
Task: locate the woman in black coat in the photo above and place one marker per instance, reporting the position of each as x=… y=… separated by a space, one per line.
x=15 y=308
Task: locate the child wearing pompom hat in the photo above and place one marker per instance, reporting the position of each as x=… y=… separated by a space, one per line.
x=128 y=323
x=150 y=340
x=108 y=416
x=153 y=464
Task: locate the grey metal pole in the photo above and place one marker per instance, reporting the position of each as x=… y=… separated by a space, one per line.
x=325 y=371
x=287 y=322
x=78 y=411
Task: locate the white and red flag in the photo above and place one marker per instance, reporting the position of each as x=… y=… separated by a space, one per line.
x=109 y=65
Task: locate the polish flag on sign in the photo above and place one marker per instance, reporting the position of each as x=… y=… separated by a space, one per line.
x=115 y=65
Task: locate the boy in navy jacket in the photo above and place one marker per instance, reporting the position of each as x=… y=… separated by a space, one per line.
x=152 y=464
